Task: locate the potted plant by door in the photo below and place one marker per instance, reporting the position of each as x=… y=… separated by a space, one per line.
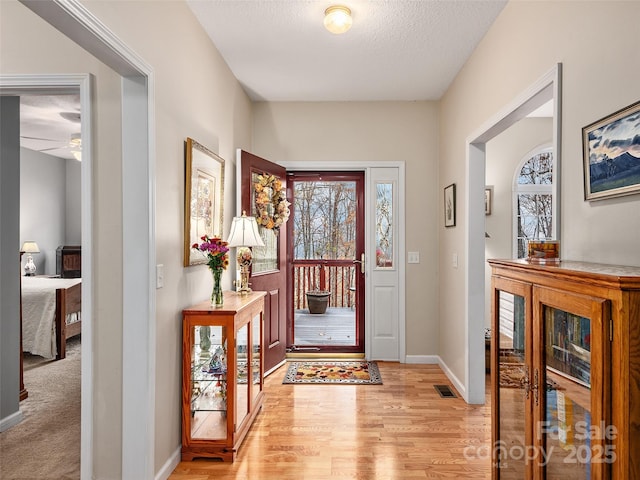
x=318 y=300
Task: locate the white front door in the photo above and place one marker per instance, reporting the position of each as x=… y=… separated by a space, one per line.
x=385 y=264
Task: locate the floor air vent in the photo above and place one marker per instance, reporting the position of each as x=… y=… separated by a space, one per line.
x=445 y=391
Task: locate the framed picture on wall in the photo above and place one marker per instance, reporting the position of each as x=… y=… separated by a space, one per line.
x=203 y=192
x=611 y=151
x=488 y=199
x=450 y=205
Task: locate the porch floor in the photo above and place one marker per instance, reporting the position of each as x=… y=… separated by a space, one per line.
x=335 y=327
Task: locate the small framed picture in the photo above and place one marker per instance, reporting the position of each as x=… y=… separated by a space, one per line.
x=488 y=199
x=611 y=151
x=450 y=205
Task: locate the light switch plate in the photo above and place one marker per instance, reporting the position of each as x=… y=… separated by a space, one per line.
x=159 y=275
x=414 y=257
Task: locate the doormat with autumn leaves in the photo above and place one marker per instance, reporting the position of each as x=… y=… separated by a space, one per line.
x=344 y=373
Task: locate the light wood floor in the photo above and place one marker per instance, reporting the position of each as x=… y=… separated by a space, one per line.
x=402 y=429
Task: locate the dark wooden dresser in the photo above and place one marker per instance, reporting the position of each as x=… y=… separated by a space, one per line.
x=69 y=261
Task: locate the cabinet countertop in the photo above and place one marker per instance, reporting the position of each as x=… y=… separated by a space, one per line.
x=233 y=303
x=627 y=276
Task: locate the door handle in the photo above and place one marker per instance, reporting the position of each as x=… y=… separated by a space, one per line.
x=361 y=262
x=525 y=383
x=535 y=387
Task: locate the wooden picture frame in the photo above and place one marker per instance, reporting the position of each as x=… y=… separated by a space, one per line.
x=203 y=198
x=488 y=199
x=611 y=155
x=450 y=205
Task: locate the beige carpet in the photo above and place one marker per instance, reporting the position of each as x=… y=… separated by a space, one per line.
x=46 y=444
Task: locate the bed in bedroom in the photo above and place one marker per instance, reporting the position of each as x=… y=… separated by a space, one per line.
x=51 y=313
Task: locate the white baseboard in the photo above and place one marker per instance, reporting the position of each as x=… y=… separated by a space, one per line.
x=436 y=360
x=12 y=420
x=169 y=466
x=453 y=379
x=423 y=359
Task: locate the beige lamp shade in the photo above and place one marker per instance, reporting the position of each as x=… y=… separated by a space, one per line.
x=30 y=247
x=244 y=232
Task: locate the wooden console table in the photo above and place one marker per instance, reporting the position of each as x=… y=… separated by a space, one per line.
x=222 y=374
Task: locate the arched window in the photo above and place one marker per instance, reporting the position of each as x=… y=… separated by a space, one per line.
x=533 y=199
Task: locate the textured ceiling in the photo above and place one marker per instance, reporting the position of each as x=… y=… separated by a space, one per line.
x=396 y=49
x=280 y=51
x=49 y=122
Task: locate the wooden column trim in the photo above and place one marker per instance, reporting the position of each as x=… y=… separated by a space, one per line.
x=23 y=391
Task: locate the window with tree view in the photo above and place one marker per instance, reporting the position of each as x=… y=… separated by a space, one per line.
x=324 y=220
x=534 y=200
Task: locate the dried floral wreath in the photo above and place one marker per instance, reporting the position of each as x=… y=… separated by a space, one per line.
x=272 y=207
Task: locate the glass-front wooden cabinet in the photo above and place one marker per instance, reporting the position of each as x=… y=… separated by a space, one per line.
x=222 y=374
x=565 y=357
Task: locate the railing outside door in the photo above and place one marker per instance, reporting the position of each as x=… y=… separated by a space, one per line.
x=335 y=276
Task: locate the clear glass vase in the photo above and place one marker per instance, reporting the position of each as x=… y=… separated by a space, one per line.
x=216 y=294
x=205 y=340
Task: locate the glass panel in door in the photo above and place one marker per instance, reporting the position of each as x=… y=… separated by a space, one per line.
x=242 y=382
x=265 y=259
x=256 y=326
x=327 y=246
x=513 y=385
x=567 y=392
x=209 y=383
x=384 y=224
x=574 y=386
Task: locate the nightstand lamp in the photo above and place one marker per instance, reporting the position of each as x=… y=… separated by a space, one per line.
x=244 y=234
x=30 y=247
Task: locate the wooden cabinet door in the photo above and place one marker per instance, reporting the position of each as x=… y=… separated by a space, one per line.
x=511 y=371
x=571 y=386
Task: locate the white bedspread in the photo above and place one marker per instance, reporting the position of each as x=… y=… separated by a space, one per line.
x=38 y=313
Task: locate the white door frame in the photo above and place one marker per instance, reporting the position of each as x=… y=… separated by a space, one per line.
x=546 y=88
x=369 y=247
x=138 y=188
x=61 y=85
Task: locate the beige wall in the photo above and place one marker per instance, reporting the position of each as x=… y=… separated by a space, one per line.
x=195 y=96
x=198 y=97
x=45 y=51
x=371 y=132
x=600 y=72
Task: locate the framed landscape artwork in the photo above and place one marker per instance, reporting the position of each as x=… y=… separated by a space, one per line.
x=203 y=192
x=450 y=205
x=611 y=151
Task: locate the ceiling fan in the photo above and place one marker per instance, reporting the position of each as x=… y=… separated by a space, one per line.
x=74 y=145
x=51 y=124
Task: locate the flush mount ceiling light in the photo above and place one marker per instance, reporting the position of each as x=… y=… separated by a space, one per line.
x=337 y=19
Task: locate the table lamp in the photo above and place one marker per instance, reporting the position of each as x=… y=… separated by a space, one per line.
x=30 y=247
x=244 y=234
